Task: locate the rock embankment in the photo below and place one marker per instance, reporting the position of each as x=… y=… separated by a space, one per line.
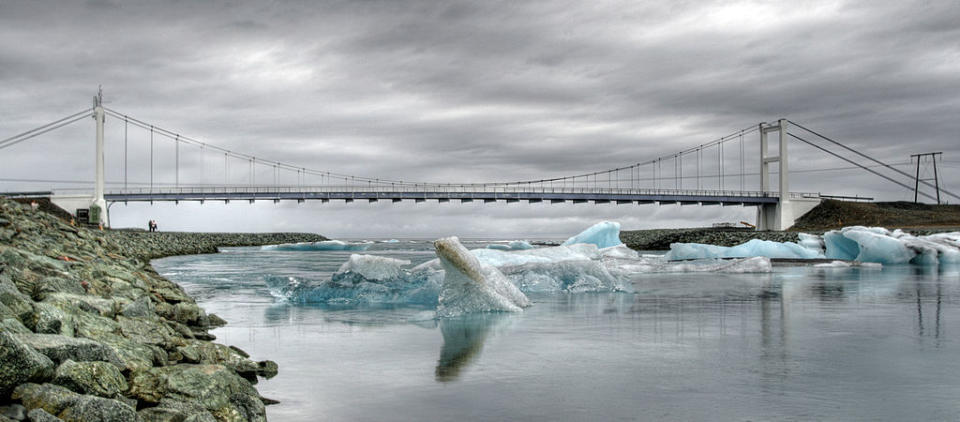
x=146 y=246
x=90 y=332
x=660 y=239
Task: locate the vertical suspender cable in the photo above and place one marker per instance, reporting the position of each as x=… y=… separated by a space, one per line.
x=151 y=158
x=124 y=152
x=741 y=161
x=177 y=159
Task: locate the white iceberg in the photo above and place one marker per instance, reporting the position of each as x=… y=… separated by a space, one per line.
x=604 y=234
x=326 y=245
x=471 y=286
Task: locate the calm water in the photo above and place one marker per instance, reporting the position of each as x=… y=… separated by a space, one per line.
x=799 y=344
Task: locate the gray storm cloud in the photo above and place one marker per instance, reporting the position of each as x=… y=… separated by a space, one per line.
x=475 y=91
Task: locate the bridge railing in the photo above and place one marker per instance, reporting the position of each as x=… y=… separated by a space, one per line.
x=436 y=189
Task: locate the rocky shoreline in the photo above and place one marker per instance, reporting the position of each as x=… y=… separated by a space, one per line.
x=90 y=332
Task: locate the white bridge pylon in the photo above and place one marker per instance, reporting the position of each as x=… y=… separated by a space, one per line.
x=783 y=214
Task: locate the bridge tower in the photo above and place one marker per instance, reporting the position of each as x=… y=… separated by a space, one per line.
x=783 y=214
x=98 y=187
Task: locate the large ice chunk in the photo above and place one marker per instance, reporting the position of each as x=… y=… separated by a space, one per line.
x=326 y=245
x=754 y=247
x=470 y=286
x=604 y=234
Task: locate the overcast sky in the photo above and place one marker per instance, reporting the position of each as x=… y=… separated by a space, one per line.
x=473 y=91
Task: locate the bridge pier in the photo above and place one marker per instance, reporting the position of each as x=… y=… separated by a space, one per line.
x=781 y=216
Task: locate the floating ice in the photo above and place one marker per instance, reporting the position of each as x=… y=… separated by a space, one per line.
x=877 y=244
x=391 y=241
x=487 y=280
x=755 y=247
x=471 y=286
x=514 y=245
x=374 y=267
x=834 y=264
x=364 y=279
x=604 y=234
x=863 y=244
x=326 y=245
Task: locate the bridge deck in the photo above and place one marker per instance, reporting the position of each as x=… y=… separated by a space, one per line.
x=731 y=198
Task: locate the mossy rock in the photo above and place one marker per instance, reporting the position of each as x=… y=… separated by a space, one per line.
x=73 y=407
x=97 y=378
x=20 y=363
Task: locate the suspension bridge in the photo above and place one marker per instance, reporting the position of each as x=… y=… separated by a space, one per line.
x=705 y=174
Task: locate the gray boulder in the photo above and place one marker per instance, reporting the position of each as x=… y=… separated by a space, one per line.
x=215 y=388
x=14 y=411
x=60 y=348
x=49 y=319
x=96 y=378
x=142 y=307
x=40 y=415
x=73 y=407
x=20 y=363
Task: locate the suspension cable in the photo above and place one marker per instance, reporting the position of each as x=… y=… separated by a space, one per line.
x=869 y=157
x=32 y=133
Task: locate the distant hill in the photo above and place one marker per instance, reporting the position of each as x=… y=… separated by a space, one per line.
x=833 y=214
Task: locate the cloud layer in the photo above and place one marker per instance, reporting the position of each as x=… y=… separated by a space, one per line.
x=478 y=91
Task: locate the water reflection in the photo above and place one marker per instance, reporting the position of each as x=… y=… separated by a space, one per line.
x=463 y=339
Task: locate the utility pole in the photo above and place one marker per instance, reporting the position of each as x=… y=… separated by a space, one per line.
x=932 y=156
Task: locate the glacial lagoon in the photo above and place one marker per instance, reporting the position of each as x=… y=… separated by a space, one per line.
x=797 y=343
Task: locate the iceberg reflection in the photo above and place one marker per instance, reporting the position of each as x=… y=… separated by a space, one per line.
x=463 y=339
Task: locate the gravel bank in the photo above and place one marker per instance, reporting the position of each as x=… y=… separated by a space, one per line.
x=660 y=239
x=90 y=332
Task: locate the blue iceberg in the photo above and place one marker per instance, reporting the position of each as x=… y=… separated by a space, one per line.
x=364 y=279
x=877 y=244
x=856 y=243
x=755 y=247
x=604 y=234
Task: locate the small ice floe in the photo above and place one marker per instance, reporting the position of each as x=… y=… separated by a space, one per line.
x=834 y=264
x=326 y=245
x=513 y=245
